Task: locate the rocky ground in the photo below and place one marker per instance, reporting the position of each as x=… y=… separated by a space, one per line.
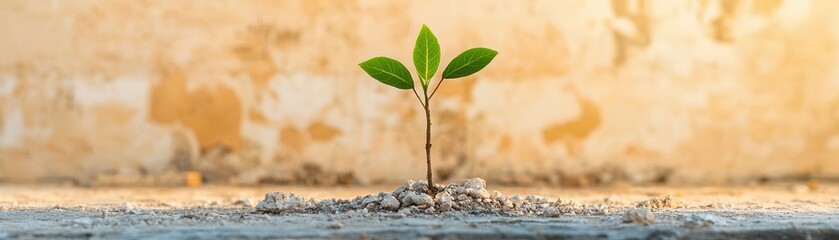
x=461 y=210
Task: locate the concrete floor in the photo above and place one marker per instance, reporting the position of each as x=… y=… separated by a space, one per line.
x=773 y=211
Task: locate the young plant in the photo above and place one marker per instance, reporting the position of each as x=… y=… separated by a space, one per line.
x=426 y=60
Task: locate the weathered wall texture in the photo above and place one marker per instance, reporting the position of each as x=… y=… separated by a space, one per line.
x=582 y=91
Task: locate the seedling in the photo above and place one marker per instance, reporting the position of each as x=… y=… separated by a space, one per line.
x=426 y=59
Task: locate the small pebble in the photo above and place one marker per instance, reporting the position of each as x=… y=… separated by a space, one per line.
x=639 y=215
x=335 y=225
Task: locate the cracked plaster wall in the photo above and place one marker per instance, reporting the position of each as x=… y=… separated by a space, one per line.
x=269 y=91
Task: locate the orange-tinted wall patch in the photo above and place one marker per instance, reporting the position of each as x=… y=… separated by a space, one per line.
x=213 y=113
x=322 y=132
x=505 y=144
x=576 y=129
x=458 y=87
x=292 y=138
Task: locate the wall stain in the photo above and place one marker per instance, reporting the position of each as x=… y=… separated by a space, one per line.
x=576 y=130
x=213 y=114
x=322 y=132
x=640 y=151
x=634 y=11
x=292 y=138
x=112 y=114
x=551 y=58
x=766 y=7
x=257 y=117
x=505 y=144
x=722 y=24
x=254 y=50
x=458 y=88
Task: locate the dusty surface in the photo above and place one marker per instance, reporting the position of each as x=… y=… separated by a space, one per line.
x=765 y=211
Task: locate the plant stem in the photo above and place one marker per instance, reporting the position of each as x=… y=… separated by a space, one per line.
x=418 y=98
x=428 y=144
x=435 y=89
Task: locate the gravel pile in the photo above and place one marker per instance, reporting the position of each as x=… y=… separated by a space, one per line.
x=469 y=196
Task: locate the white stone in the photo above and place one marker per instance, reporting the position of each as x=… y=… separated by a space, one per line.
x=247 y=202
x=420 y=186
x=390 y=203
x=475 y=183
x=370 y=199
x=443 y=197
x=407 y=210
x=478 y=193
x=423 y=200
x=639 y=215
x=408 y=198
x=129 y=208
x=445 y=206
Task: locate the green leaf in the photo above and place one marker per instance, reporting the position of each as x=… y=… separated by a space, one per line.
x=426 y=55
x=388 y=71
x=469 y=62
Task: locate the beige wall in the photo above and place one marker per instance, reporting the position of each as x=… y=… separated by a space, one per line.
x=582 y=91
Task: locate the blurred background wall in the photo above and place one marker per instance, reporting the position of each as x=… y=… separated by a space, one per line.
x=582 y=92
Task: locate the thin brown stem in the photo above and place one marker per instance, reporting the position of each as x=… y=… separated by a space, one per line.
x=428 y=145
x=418 y=98
x=435 y=88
